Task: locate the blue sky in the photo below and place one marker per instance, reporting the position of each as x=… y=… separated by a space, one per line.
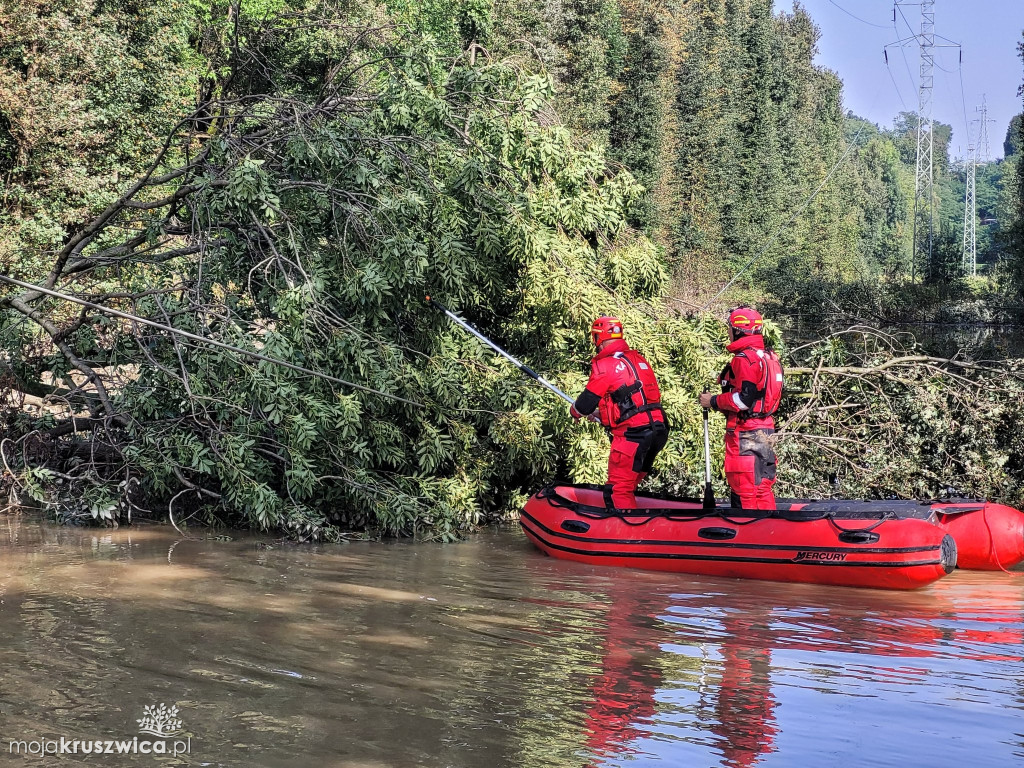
x=988 y=31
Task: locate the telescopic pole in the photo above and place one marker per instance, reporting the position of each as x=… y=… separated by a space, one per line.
x=517 y=363
x=709 y=493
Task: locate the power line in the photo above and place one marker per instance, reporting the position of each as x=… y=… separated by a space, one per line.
x=902 y=44
x=858 y=18
x=893 y=78
x=910 y=28
x=948 y=85
x=970 y=257
x=203 y=339
x=963 y=101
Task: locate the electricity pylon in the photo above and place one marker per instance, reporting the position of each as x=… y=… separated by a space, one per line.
x=970 y=218
x=924 y=174
x=983 y=133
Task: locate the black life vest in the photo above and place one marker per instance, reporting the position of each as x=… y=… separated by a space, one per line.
x=642 y=395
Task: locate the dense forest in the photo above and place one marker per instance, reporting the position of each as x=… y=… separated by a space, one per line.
x=288 y=180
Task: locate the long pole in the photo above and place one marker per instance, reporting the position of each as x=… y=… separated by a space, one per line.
x=517 y=363
x=709 y=493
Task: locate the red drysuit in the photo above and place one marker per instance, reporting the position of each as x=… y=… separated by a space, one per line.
x=749 y=455
x=625 y=392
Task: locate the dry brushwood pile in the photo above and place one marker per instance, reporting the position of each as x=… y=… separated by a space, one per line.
x=869 y=415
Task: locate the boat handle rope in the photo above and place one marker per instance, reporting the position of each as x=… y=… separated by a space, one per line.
x=602 y=513
x=595 y=513
x=591 y=512
x=992 y=545
x=636 y=520
x=887 y=515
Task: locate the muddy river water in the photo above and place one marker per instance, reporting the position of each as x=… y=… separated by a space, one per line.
x=483 y=654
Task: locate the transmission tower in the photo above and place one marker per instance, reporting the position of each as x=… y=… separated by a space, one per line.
x=924 y=174
x=983 y=132
x=974 y=157
x=970 y=218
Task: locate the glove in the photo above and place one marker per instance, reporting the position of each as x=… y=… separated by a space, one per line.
x=576 y=415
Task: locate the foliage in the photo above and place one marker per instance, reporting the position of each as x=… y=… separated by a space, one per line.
x=291 y=177
x=308 y=227
x=1012 y=142
x=88 y=93
x=1012 y=203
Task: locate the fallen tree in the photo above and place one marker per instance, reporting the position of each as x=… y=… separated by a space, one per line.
x=239 y=338
x=870 y=416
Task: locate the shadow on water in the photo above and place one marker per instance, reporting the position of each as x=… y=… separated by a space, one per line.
x=487 y=654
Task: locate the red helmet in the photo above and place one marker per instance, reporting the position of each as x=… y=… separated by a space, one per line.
x=745 y=320
x=604 y=329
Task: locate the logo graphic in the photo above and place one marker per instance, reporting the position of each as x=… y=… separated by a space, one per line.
x=821 y=556
x=160 y=720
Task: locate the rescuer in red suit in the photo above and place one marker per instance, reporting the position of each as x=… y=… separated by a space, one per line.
x=624 y=391
x=751 y=390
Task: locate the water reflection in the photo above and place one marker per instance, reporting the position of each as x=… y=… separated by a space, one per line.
x=711 y=669
x=745 y=707
x=487 y=654
x=624 y=694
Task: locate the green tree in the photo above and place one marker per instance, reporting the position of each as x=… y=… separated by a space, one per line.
x=308 y=227
x=637 y=114
x=88 y=92
x=1012 y=204
x=1012 y=142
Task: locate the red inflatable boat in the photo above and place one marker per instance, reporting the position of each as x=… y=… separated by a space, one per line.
x=884 y=544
